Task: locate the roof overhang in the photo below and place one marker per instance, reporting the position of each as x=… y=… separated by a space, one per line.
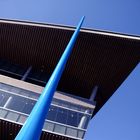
x=99 y=58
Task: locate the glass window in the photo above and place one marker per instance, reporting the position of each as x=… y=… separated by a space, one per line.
x=15 y=90
x=71 y=132
x=48 y=126
x=0 y=85
x=12 y=116
x=20 y=71
x=24 y=93
x=5 y=87
x=61 y=116
x=34 y=95
x=34 y=74
x=38 y=75
x=3 y=98
x=72 y=106
x=22 y=118
x=29 y=104
x=72 y=118
x=1 y=62
x=19 y=91
x=60 y=129
x=3 y=113
x=44 y=76
x=55 y=101
x=13 y=68
x=6 y=66
x=81 y=134
x=52 y=113
x=16 y=103
x=65 y=105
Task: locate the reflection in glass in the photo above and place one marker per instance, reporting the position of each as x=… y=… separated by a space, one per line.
x=63 y=112
x=80 y=134
x=22 y=118
x=3 y=98
x=72 y=118
x=12 y=116
x=61 y=116
x=48 y=126
x=59 y=129
x=3 y=113
x=16 y=103
x=52 y=113
x=71 y=132
x=28 y=106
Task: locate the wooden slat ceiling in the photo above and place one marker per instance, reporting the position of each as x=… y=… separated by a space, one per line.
x=99 y=58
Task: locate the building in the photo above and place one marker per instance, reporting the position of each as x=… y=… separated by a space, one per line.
x=99 y=63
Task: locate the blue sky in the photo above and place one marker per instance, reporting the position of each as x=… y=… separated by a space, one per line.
x=119 y=119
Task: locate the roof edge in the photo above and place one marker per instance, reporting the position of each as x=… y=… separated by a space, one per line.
x=70 y=28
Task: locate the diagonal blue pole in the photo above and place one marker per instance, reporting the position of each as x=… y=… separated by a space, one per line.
x=32 y=128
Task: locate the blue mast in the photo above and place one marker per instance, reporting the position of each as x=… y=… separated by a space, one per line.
x=32 y=128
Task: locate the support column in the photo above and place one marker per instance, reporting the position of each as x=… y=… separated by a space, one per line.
x=26 y=73
x=94 y=93
x=84 y=119
x=7 y=102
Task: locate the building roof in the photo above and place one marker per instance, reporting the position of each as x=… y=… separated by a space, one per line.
x=98 y=58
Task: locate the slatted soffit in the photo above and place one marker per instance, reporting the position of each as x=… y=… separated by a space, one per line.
x=99 y=58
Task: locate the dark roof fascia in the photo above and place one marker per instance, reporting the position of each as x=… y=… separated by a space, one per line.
x=71 y=28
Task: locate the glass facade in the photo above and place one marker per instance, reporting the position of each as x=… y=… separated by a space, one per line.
x=39 y=77
x=63 y=117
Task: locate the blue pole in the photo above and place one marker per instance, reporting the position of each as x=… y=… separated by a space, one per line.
x=32 y=128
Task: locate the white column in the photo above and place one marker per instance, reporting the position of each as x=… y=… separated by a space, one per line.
x=8 y=101
x=84 y=120
x=26 y=73
x=93 y=94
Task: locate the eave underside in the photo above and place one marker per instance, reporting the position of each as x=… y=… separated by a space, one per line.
x=97 y=59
